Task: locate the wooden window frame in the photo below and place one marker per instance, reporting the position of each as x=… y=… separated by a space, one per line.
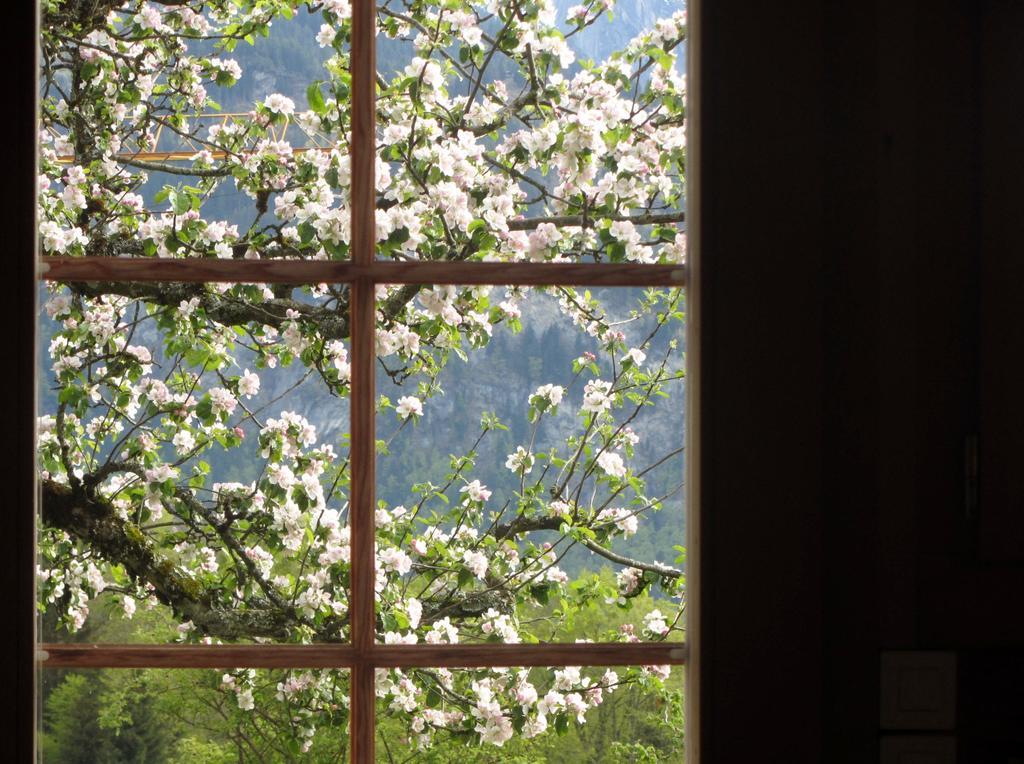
x=363 y=272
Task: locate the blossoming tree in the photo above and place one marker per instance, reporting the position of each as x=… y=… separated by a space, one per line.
x=494 y=144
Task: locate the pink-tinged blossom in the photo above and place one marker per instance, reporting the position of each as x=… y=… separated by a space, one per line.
x=281 y=475
x=535 y=726
x=264 y=560
x=394 y=559
x=248 y=384
x=556 y=575
x=409 y=405
x=184 y=441
x=654 y=622
x=661 y=672
x=216 y=230
x=414 y=609
x=140 y=353
x=526 y=694
x=223 y=401
x=597 y=396
x=551 y=703
x=627 y=437
x=520 y=462
x=340 y=8
x=187 y=307
x=559 y=508
x=627 y=580
x=567 y=678
x=442 y=632
x=510 y=309
x=675 y=251
x=279 y=104
x=624 y=520
x=476 y=562
x=476 y=491
x=500 y=624
x=636 y=355
x=149 y=17
x=292 y=338
x=551 y=393
x=574 y=704
x=73 y=197
x=160 y=473
x=338 y=354
x=576 y=13
x=612 y=464
x=495 y=731
x=59 y=306
x=397 y=638
x=325 y=36
x=542 y=240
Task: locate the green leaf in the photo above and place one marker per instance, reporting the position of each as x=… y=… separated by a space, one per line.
x=316 y=98
x=204 y=409
x=664 y=59
x=180 y=203
x=306 y=232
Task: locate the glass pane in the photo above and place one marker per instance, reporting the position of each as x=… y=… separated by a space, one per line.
x=196 y=715
x=538 y=715
x=530 y=468
x=184 y=131
x=536 y=132
x=193 y=456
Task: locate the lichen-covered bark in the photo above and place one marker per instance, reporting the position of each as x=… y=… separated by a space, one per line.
x=93 y=521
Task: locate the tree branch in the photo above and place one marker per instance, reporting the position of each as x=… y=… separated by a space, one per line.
x=647 y=218
x=654 y=567
x=521 y=524
x=195 y=172
x=93 y=521
x=330 y=323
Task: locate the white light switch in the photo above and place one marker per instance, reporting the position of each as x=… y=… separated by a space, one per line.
x=918 y=690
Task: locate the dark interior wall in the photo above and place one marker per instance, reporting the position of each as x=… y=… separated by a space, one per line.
x=863 y=167
x=17 y=316
x=924 y=337
x=901 y=336
x=761 y=366
x=989 y=575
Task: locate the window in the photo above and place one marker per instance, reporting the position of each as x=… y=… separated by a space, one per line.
x=224 y=404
